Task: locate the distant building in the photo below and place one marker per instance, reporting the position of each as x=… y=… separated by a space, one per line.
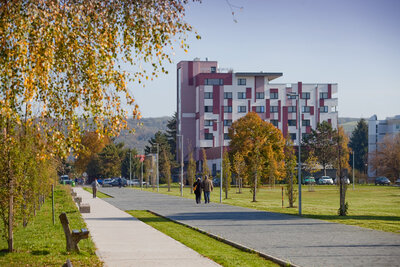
x=208 y=98
x=377 y=129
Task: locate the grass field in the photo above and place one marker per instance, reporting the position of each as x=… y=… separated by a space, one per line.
x=43 y=244
x=375 y=207
x=217 y=251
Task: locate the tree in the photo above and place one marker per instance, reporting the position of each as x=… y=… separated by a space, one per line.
x=59 y=68
x=260 y=143
x=239 y=166
x=290 y=170
x=111 y=158
x=171 y=134
x=166 y=170
x=342 y=166
x=130 y=164
x=205 y=169
x=359 y=145
x=147 y=170
x=227 y=179
x=321 y=142
x=92 y=144
x=191 y=171
x=386 y=160
x=311 y=165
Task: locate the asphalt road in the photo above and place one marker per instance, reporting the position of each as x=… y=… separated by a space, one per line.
x=302 y=241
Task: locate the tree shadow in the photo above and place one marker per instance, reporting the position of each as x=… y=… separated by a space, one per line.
x=353 y=217
x=40 y=252
x=3 y=252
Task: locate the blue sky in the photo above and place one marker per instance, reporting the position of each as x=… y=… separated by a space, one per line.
x=355 y=43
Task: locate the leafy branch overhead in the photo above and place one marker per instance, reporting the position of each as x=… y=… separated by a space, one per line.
x=62 y=60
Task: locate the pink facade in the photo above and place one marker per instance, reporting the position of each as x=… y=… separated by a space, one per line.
x=209 y=101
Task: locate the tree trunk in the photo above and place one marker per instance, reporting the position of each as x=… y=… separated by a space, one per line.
x=255 y=187
x=226 y=189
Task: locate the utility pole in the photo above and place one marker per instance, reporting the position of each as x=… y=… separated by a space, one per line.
x=181 y=146
x=353 y=169
x=222 y=149
x=141 y=174
x=130 y=167
x=158 y=175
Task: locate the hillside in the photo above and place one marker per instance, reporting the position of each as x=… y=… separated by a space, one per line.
x=348 y=124
x=145 y=129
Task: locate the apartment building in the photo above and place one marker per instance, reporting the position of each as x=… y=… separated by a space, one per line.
x=208 y=101
x=377 y=130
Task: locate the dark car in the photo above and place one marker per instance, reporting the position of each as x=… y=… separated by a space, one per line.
x=309 y=180
x=382 y=181
x=119 y=182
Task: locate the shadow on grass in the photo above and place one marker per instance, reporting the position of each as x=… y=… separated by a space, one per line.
x=353 y=217
x=40 y=252
x=3 y=252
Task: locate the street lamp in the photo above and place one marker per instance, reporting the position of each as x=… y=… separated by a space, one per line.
x=299 y=141
x=181 y=135
x=222 y=149
x=158 y=175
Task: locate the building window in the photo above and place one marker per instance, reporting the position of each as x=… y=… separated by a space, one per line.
x=293 y=136
x=213 y=69
x=208 y=95
x=241 y=81
x=273 y=95
x=274 y=122
x=305 y=123
x=292 y=122
x=306 y=109
x=241 y=109
x=213 y=81
x=323 y=109
x=305 y=95
x=208 y=122
x=208 y=136
x=227 y=109
x=227 y=122
x=323 y=95
x=260 y=95
x=226 y=136
x=208 y=108
x=228 y=95
x=274 y=109
x=291 y=109
x=260 y=109
x=242 y=95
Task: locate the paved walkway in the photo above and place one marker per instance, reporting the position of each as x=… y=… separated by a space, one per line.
x=302 y=241
x=122 y=240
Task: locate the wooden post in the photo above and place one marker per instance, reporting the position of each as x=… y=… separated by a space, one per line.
x=282 y=196
x=52 y=203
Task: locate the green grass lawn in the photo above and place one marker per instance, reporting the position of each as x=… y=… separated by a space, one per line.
x=98 y=194
x=43 y=244
x=217 y=251
x=375 y=207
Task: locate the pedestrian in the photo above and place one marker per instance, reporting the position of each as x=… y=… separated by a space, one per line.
x=197 y=190
x=119 y=182
x=95 y=185
x=207 y=187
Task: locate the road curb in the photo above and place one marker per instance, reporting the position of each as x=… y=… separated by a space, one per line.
x=234 y=244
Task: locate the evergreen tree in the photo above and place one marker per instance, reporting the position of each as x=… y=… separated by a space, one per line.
x=171 y=134
x=359 y=144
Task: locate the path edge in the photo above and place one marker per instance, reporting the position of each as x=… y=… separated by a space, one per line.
x=231 y=243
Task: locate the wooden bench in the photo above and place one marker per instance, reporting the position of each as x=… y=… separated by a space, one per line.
x=74 y=236
x=84 y=208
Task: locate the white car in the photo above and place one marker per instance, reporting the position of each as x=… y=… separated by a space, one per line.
x=325 y=180
x=345 y=179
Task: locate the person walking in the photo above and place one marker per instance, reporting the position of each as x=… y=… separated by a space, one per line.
x=207 y=187
x=95 y=185
x=197 y=190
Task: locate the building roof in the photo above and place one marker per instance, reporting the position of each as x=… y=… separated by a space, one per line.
x=270 y=75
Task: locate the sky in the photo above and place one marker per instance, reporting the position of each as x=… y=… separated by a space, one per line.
x=354 y=43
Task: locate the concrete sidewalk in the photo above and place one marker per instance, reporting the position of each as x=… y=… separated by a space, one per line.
x=122 y=240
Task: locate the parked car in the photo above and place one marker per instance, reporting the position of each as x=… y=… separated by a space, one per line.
x=134 y=182
x=345 y=179
x=309 y=180
x=216 y=182
x=382 y=181
x=107 y=182
x=397 y=181
x=325 y=180
x=119 y=182
x=100 y=181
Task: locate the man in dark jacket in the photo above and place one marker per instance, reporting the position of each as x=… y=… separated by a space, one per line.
x=197 y=190
x=207 y=187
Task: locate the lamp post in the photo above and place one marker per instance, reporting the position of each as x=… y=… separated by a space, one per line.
x=298 y=97
x=353 y=169
x=222 y=149
x=141 y=173
x=130 y=167
x=158 y=175
x=181 y=187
